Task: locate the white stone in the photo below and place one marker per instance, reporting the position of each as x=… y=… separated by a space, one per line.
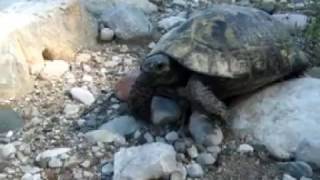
x=245 y=148
x=54 y=69
x=27 y=176
x=30 y=169
x=7 y=150
x=106 y=34
x=194 y=170
x=193 y=151
x=87 y=78
x=104 y=136
x=82 y=95
x=52 y=153
x=83 y=57
x=55 y=163
x=282 y=117
x=86 y=68
x=86 y=164
x=149 y=161
x=148 y=137
x=71 y=110
x=172 y=136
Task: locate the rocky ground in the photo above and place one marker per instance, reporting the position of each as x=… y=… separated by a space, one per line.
x=75 y=127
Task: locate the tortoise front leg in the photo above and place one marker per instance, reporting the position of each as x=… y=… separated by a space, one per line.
x=203 y=99
x=139 y=100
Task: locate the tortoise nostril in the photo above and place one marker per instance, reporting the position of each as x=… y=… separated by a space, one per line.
x=159 y=66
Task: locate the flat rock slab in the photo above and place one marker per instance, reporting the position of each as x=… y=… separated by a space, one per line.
x=149 y=161
x=284 y=117
x=31 y=30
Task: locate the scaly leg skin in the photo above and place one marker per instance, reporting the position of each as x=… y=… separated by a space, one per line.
x=139 y=101
x=203 y=99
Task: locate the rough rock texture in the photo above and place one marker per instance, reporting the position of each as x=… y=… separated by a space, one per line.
x=134 y=24
x=294 y=21
x=282 y=117
x=150 y=161
x=34 y=30
x=96 y=7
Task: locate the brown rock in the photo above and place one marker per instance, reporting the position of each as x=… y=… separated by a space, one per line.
x=123 y=86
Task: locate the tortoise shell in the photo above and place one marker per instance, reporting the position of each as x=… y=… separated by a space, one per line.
x=232 y=41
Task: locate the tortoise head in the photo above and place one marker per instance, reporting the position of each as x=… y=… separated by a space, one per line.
x=159 y=70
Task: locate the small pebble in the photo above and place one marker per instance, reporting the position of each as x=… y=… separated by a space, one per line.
x=106 y=34
x=245 y=148
x=172 y=136
x=194 y=170
x=206 y=159
x=107 y=169
x=82 y=95
x=193 y=151
x=55 y=163
x=180 y=146
x=86 y=164
x=137 y=134
x=148 y=137
x=83 y=57
x=214 y=149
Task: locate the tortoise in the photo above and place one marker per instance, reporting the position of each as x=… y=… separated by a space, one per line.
x=219 y=53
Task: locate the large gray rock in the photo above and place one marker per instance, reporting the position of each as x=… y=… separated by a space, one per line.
x=284 y=118
x=309 y=151
x=149 y=161
x=127 y=22
x=97 y=7
x=29 y=32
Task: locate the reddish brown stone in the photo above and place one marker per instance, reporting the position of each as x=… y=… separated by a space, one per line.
x=123 y=86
